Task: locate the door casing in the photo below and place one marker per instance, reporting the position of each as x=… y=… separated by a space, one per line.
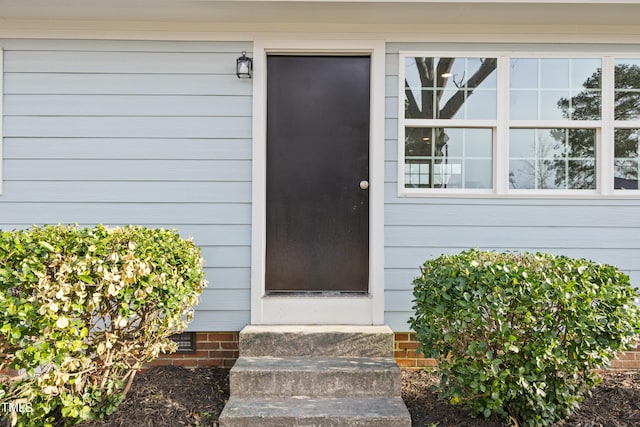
x=367 y=309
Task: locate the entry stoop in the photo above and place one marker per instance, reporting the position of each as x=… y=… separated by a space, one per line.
x=317 y=376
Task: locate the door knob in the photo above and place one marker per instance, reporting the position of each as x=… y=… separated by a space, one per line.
x=364 y=184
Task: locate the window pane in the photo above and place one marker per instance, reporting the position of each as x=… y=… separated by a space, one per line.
x=581 y=174
x=478 y=143
x=556 y=89
x=627 y=89
x=524 y=73
x=554 y=73
x=549 y=108
x=552 y=159
x=481 y=105
x=626 y=159
x=586 y=73
x=523 y=104
x=478 y=174
x=448 y=158
x=582 y=105
x=447 y=88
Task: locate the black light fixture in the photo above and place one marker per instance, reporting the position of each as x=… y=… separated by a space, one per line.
x=244 y=66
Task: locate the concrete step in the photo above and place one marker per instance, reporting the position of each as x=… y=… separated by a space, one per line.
x=317 y=412
x=315 y=377
x=316 y=341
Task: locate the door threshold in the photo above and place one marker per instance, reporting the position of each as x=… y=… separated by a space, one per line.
x=323 y=294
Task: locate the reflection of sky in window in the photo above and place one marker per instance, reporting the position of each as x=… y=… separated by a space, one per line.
x=412 y=76
x=454 y=144
x=549 y=109
x=538 y=84
x=481 y=105
x=478 y=174
x=479 y=143
x=582 y=70
x=524 y=73
x=534 y=143
x=554 y=73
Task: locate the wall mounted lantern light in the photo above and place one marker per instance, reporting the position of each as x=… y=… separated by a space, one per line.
x=244 y=66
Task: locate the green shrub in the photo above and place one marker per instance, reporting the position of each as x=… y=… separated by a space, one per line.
x=519 y=335
x=82 y=309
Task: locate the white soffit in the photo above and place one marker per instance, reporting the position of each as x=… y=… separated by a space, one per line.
x=497 y=12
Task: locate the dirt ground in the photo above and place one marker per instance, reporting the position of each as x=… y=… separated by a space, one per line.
x=172 y=396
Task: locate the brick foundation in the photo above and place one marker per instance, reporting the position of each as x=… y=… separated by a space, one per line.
x=405 y=346
x=221 y=349
x=405 y=352
x=212 y=349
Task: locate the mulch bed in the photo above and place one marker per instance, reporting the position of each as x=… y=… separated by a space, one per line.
x=615 y=402
x=171 y=396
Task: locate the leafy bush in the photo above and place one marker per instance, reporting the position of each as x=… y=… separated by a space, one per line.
x=519 y=335
x=82 y=309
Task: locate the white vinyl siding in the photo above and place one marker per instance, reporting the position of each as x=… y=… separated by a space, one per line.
x=150 y=133
x=419 y=228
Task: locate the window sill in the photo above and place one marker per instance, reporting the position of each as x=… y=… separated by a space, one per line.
x=521 y=194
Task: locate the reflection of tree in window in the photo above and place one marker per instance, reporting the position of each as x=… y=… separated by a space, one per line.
x=626 y=159
x=575 y=167
x=586 y=106
x=436 y=101
x=550 y=162
x=540 y=168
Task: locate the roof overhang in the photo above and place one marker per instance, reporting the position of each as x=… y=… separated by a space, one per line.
x=473 y=12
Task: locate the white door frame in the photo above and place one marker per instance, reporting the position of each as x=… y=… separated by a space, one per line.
x=362 y=310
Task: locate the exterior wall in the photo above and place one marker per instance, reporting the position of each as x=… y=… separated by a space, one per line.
x=159 y=134
x=150 y=133
x=416 y=228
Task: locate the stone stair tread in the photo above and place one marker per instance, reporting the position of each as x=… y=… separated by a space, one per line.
x=316 y=376
x=305 y=411
x=245 y=363
x=316 y=340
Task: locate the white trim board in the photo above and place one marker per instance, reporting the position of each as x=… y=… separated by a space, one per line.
x=391 y=32
x=364 y=310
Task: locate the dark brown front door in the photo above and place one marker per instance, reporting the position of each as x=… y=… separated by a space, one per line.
x=317 y=220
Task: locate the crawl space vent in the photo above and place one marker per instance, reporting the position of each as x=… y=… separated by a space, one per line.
x=186 y=342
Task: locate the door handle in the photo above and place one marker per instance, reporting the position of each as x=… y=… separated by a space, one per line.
x=364 y=184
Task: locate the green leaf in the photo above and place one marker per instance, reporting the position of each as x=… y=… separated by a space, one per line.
x=47 y=246
x=86 y=278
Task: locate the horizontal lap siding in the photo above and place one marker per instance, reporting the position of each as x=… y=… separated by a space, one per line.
x=150 y=133
x=418 y=228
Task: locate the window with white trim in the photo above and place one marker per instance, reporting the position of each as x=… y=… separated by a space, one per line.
x=626 y=123
x=518 y=125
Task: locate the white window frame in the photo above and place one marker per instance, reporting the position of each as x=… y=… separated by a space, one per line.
x=619 y=124
x=604 y=152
